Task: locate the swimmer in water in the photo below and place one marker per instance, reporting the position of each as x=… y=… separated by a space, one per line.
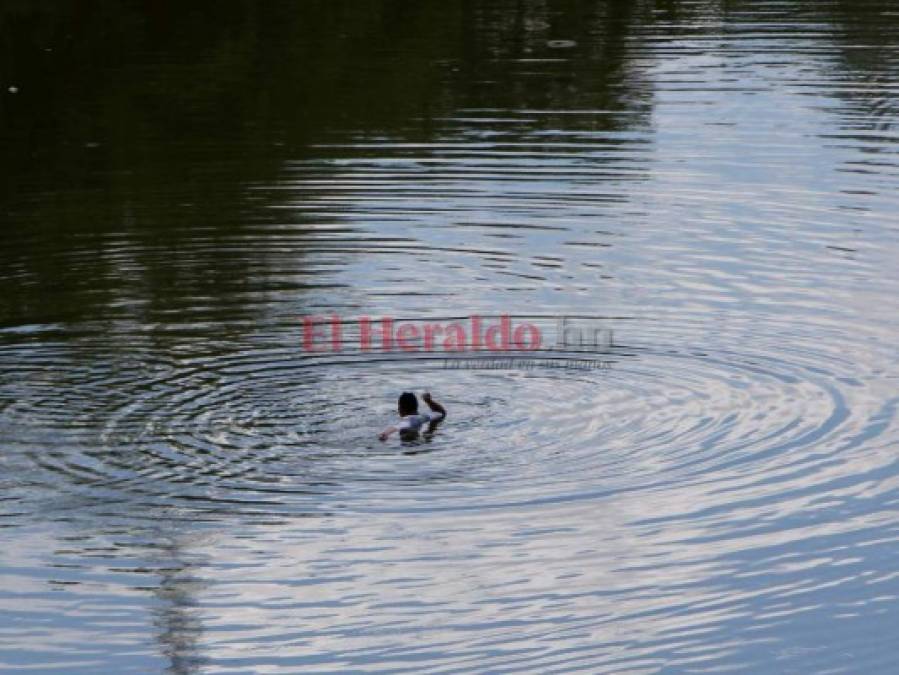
x=411 y=422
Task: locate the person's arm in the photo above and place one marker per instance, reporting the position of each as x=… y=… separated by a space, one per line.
x=384 y=435
x=433 y=405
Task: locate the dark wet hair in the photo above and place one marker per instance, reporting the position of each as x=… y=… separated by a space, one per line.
x=408 y=403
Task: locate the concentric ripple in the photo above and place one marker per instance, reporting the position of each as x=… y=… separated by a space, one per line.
x=277 y=430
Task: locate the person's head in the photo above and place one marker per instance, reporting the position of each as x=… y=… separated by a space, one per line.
x=408 y=404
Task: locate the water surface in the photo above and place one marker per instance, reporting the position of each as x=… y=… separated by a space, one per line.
x=183 y=488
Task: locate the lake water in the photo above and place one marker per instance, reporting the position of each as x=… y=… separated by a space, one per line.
x=712 y=185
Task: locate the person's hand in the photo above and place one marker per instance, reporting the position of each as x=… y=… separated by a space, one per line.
x=426 y=397
x=382 y=436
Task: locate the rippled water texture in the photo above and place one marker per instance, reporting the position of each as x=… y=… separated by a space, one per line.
x=183 y=488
